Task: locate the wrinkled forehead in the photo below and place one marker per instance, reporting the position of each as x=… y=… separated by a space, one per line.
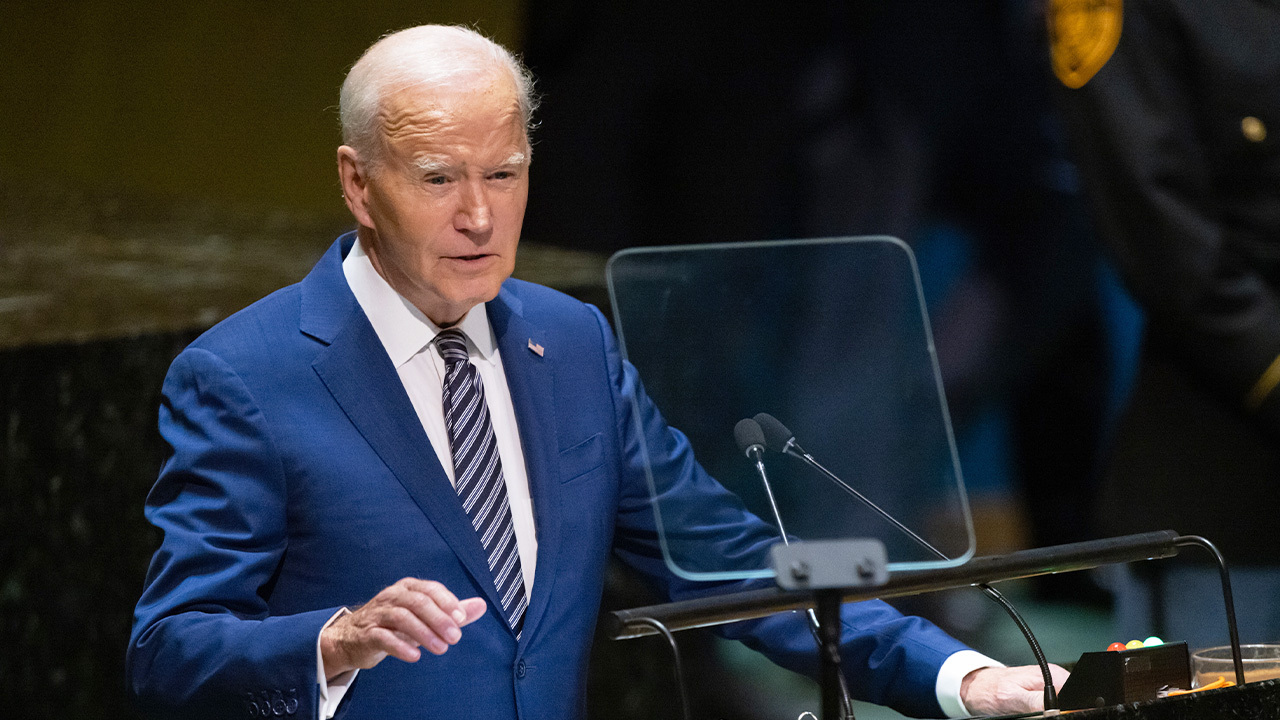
x=481 y=101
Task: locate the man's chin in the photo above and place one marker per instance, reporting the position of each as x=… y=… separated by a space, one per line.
x=460 y=303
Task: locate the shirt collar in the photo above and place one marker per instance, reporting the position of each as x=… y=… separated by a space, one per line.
x=403 y=329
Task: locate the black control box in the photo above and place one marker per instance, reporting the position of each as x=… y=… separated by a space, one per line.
x=1116 y=677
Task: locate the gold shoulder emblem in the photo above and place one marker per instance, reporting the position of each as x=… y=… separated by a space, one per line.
x=1082 y=36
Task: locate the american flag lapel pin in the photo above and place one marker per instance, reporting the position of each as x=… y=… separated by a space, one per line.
x=535 y=347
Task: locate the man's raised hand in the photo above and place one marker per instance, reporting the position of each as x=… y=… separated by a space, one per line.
x=404 y=617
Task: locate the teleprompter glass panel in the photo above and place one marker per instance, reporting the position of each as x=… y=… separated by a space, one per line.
x=831 y=338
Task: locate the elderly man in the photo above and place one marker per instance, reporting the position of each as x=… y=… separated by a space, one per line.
x=407 y=427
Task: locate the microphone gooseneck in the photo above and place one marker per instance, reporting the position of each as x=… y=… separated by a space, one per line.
x=779 y=439
x=752 y=441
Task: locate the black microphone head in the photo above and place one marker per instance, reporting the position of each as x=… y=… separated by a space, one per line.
x=749 y=435
x=776 y=435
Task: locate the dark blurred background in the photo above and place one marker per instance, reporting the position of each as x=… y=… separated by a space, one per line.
x=162 y=166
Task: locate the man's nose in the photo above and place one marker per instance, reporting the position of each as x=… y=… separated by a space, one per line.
x=474 y=213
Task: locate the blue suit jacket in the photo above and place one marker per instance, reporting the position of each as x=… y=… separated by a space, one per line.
x=301 y=480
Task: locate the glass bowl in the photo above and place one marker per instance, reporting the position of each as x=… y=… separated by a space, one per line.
x=1261 y=662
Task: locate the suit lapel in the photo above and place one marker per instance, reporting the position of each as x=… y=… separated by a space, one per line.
x=356 y=370
x=529 y=379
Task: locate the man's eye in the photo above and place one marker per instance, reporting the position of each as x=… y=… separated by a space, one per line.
x=503 y=175
x=437 y=180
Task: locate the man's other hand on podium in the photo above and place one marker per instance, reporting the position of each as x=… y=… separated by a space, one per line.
x=1005 y=690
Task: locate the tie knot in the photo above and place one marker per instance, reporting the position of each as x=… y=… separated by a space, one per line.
x=453 y=346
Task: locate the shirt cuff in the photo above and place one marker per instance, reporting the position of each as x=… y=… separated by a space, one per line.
x=951 y=675
x=331 y=693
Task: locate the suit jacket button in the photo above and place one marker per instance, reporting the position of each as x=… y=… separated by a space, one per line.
x=520 y=669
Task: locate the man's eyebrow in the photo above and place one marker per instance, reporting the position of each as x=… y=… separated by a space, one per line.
x=516 y=158
x=428 y=164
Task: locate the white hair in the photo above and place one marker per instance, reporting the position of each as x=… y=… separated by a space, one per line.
x=429 y=55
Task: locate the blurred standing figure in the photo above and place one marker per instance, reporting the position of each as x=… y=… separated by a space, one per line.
x=1174 y=111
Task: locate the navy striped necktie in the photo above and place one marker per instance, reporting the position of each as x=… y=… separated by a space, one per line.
x=478 y=472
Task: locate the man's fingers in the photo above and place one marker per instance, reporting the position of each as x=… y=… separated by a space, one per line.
x=409 y=622
x=439 y=594
x=999 y=690
x=364 y=647
x=427 y=610
x=388 y=642
x=437 y=606
x=472 y=608
x=400 y=620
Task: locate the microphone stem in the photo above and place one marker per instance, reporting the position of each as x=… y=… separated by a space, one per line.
x=1050 y=693
x=768 y=490
x=814 y=627
x=796 y=451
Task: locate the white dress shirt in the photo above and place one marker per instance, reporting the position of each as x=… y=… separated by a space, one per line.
x=408 y=335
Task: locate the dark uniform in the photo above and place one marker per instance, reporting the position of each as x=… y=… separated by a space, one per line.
x=1177 y=134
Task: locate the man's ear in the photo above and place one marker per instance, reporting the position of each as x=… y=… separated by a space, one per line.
x=354 y=175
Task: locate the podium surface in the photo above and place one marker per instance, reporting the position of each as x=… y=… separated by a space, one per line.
x=1254 y=701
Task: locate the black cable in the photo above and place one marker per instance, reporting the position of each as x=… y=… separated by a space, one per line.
x=1236 y=658
x=675 y=656
x=1050 y=692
